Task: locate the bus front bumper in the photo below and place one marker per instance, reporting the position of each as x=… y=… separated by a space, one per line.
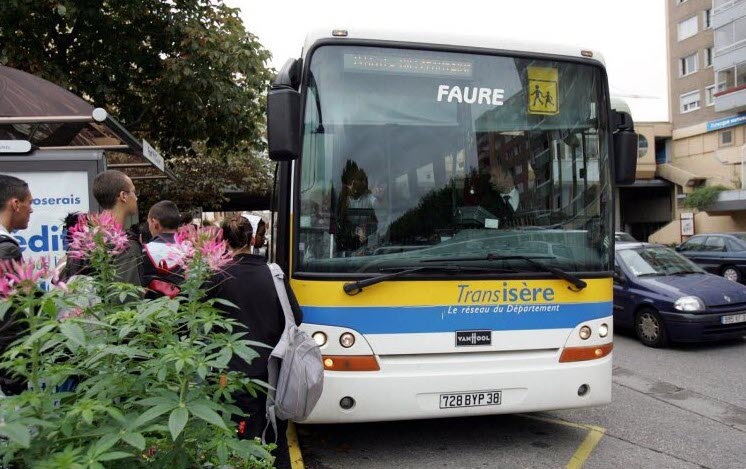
x=407 y=389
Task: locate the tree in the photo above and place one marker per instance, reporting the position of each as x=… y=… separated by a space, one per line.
x=184 y=74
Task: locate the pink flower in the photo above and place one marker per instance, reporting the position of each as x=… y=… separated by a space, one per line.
x=204 y=246
x=72 y=313
x=24 y=275
x=97 y=231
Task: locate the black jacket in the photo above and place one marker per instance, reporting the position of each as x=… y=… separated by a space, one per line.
x=248 y=284
x=9 y=329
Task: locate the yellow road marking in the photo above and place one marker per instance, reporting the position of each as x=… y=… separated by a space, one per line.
x=296 y=457
x=586 y=447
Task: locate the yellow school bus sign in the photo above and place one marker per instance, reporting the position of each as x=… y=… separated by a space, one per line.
x=542 y=91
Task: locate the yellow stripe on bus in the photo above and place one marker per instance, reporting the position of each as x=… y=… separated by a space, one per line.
x=441 y=292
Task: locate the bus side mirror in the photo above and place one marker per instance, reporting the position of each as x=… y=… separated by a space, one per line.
x=283 y=114
x=625 y=149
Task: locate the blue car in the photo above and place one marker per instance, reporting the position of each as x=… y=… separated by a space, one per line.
x=667 y=298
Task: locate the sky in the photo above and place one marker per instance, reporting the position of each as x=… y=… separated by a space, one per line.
x=631 y=35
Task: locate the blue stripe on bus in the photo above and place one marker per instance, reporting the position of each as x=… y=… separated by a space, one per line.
x=402 y=320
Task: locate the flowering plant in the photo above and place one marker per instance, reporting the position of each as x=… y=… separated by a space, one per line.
x=138 y=383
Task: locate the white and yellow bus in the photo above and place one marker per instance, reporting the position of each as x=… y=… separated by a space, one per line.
x=444 y=208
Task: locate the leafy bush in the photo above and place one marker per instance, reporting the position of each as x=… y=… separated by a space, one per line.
x=703 y=197
x=153 y=385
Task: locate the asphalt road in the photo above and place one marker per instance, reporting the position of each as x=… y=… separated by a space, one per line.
x=683 y=407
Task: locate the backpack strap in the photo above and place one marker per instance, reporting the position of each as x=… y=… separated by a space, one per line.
x=273 y=365
x=278 y=276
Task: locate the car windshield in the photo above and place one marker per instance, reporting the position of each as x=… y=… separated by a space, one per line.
x=656 y=260
x=412 y=155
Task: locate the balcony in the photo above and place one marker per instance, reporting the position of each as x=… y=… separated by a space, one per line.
x=731 y=99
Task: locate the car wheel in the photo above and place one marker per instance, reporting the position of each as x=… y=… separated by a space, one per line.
x=650 y=329
x=731 y=273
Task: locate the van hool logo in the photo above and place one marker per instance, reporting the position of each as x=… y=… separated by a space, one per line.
x=473 y=338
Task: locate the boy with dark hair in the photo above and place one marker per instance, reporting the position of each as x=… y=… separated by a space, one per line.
x=15 y=212
x=115 y=193
x=159 y=276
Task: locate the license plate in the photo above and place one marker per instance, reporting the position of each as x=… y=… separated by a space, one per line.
x=470 y=399
x=733 y=319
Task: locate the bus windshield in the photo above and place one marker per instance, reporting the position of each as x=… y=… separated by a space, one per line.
x=412 y=156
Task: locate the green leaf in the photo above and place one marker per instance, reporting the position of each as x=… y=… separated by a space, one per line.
x=17 y=433
x=114 y=455
x=245 y=353
x=160 y=400
x=134 y=439
x=202 y=371
x=61 y=10
x=106 y=442
x=36 y=335
x=150 y=414
x=162 y=373
x=4 y=307
x=208 y=415
x=73 y=332
x=177 y=420
x=87 y=415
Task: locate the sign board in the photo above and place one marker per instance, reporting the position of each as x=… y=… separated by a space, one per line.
x=152 y=155
x=543 y=88
x=687 y=224
x=15 y=146
x=726 y=122
x=54 y=195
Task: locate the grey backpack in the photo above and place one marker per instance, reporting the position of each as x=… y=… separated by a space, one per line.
x=296 y=370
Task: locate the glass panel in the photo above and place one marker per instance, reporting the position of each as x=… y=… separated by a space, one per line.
x=714 y=243
x=726 y=79
x=724 y=37
x=687 y=28
x=651 y=261
x=412 y=155
x=694 y=244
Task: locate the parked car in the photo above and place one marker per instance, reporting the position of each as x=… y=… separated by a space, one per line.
x=720 y=253
x=666 y=297
x=623 y=237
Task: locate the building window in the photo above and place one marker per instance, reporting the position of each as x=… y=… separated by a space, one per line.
x=688 y=65
x=642 y=145
x=689 y=102
x=710 y=95
x=708 y=57
x=730 y=36
x=687 y=28
x=707 y=19
x=726 y=138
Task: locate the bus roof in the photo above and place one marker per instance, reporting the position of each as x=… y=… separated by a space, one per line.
x=460 y=40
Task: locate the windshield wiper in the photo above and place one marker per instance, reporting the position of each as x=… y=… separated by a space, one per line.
x=353 y=288
x=574 y=280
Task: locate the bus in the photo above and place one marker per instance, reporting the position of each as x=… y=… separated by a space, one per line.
x=444 y=211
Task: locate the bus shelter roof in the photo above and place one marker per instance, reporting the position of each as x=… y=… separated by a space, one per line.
x=49 y=117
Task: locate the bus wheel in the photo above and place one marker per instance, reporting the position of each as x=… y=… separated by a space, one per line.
x=650 y=329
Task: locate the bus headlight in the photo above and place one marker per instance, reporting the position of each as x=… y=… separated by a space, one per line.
x=689 y=303
x=585 y=332
x=347 y=340
x=603 y=330
x=320 y=338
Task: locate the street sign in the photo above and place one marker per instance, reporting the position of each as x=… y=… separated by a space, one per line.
x=152 y=155
x=687 y=224
x=15 y=146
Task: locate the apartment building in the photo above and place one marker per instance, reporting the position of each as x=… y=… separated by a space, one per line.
x=707 y=78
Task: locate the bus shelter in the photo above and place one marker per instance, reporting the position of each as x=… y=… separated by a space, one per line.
x=58 y=142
